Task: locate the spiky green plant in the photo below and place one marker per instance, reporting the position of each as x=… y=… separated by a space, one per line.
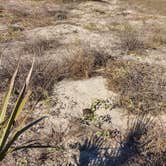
x=10 y=126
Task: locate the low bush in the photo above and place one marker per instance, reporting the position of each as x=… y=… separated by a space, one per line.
x=48 y=70
x=141 y=86
x=130 y=39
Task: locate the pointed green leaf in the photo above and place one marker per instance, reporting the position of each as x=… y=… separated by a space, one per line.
x=30 y=146
x=23 y=91
x=14 y=113
x=7 y=96
x=22 y=104
x=18 y=133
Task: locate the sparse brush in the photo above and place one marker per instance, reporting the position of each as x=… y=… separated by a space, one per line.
x=49 y=69
x=80 y=66
x=44 y=75
x=157 y=37
x=84 y=64
x=12 y=126
x=130 y=40
x=149 y=6
x=37 y=47
x=140 y=85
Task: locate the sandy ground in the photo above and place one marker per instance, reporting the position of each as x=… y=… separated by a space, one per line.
x=85 y=27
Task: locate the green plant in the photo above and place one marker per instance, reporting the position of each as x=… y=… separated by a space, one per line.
x=16 y=28
x=12 y=126
x=89 y=113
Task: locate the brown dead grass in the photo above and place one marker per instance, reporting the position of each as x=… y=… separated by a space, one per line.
x=141 y=86
x=79 y=66
x=10 y=35
x=27 y=14
x=131 y=40
x=157 y=36
x=47 y=70
x=151 y=6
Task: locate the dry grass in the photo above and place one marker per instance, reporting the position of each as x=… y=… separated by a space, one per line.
x=130 y=39
x=138 y=40
x=26 y=14
x=79 y=66
x=39 y=46
x=43 y=77
x=157 y=36
x=85 y=64
x=141 y=86
x=47 y=71
x=10 y=35
x=151 y=6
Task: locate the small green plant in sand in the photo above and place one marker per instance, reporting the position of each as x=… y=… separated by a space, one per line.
x=89 y=113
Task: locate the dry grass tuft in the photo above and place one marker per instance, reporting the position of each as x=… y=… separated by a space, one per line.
x=79 y=66
x=130 y=40
x=150 y=6
x=39 y=46
x=48 y=70
x=157 y=37
x=141 y=86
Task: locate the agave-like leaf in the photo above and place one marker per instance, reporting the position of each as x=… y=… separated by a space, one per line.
x=34 y=145
x=23 y=91
x=22 y=99
x=22 y=104
x=7 y=96
x=17 y=134
x=11 y=121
